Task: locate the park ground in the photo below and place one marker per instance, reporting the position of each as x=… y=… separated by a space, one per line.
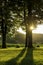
x=19 y=55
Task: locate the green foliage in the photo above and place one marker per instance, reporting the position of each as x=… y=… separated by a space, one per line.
x=15 y=13
x=9 y=12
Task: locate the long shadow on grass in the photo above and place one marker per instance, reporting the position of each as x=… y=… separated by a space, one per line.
x=28 y=59
x=24 y=58
x=14 y=60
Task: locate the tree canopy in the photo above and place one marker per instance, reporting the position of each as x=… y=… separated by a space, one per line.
x=20 y=12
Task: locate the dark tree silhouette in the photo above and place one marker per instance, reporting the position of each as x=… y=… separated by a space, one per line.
x=34 y=13
x=6 y=20
x=34 y=8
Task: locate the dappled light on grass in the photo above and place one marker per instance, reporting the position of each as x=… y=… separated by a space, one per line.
x=9 y=53
x=28 y=58
x=25 y=57
x=14 y=60
x=21 y=56
x=7 y=57
x=38 y=56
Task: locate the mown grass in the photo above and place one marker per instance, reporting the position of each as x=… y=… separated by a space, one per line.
x=15 y=55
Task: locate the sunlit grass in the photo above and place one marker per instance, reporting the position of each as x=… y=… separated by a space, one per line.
x=38 y=56
x=21 y=56
x=6 y=55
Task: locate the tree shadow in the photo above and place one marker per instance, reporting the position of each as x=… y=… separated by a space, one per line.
x=14 y=60
x=24 y=58
x=28 y=59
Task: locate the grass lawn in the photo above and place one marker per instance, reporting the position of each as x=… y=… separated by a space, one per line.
x=21 y=56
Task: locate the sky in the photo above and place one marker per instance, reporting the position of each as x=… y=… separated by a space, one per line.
x=37 y=30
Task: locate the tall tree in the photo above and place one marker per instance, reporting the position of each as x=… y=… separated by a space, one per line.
x=6 y=19
x=13 y=10
x=34 y=13
x=10 y=13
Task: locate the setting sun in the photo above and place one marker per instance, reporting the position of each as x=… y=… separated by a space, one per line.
x=38 y=29
x=31 y=28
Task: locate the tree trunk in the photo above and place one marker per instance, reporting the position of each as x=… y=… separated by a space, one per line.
x=3 y=28
x=25 y=21
x=29 y=22
x=28 y=37
x=3 y=40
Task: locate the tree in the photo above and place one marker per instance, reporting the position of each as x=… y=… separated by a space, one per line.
x=6 y=19
x=34 y=13
x=10 y=16
x=12 y=12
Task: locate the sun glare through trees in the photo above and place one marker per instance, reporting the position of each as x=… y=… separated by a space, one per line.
x=37 y=30
x=21 y=32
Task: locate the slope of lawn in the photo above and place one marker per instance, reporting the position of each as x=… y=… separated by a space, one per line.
x=21 y=56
